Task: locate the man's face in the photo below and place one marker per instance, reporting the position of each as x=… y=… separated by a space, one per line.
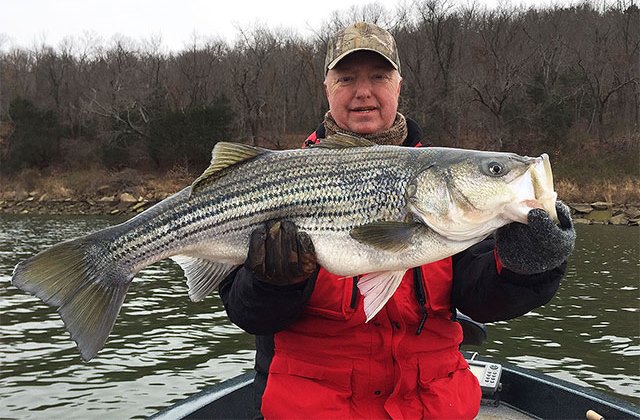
x=363 y=91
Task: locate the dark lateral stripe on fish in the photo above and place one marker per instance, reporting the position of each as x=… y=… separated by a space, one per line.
x=197 y=212
x=238 y=201
x=239 y=224
x=251 y=210
x=278 y=210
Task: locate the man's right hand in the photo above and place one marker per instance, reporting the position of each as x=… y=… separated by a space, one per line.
x=279 y=254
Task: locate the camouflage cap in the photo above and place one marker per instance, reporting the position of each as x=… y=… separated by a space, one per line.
x=362 y=36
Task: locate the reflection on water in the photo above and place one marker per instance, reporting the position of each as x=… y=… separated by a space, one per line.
x=589 y=333
x=165 y=347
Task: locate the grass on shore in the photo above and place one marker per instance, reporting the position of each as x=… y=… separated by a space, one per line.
x=96 y=183
x=93 y=184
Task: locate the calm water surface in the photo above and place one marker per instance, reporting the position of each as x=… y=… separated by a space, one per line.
x=165 y=347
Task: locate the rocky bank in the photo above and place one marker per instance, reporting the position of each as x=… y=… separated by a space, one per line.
x=127 y=204
x=605 y=214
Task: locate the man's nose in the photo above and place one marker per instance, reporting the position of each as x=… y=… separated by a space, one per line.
x=363 y=87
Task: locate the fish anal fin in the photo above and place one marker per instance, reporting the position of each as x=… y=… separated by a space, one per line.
x=342 y=141
x=203 y=276
x=225 y=155
x=377 y=289
x=388 y=236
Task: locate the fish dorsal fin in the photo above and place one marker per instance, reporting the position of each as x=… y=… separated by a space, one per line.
x=224 y=155
x=203 y=276
x=388 y=236
x=343 y=141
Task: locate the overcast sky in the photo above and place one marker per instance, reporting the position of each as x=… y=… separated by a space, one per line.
x=26 y=23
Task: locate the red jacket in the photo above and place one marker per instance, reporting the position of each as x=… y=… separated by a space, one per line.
x=329 y=364
x=386 y=370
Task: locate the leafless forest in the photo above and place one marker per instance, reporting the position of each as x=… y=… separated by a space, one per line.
x=563 y=80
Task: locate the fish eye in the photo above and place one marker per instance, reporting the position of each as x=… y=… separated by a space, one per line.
x=496 y=169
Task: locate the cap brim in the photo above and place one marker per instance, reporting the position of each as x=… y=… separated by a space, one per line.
x=343 y=55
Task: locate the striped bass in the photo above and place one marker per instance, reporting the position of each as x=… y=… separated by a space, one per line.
x=368 y=208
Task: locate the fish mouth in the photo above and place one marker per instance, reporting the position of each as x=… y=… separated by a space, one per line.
x=542 y=178
x=542 y=182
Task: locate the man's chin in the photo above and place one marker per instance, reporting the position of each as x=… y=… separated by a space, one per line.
x=366 y=127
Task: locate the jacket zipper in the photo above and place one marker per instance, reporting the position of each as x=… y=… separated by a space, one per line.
x=354 y=293
x=421 y=297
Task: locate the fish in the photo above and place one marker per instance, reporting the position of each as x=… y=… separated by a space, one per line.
x=368 y=208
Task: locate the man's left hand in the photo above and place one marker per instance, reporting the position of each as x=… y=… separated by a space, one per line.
x=538 y=246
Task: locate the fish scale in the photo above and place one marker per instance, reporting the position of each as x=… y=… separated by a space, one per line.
x=312 y=196
x=231 y=204
x=367 y=209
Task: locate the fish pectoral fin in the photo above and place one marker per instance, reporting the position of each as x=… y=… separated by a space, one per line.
x=342 y=141
x=377 y=289
x=388 y=236
x=224 y=155
x=203 y=276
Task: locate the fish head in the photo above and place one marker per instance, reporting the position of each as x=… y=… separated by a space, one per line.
x=464 y=194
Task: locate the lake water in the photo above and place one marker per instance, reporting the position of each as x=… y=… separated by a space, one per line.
x=165 y=347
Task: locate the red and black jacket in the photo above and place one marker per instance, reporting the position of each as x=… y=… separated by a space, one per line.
x=479 y=287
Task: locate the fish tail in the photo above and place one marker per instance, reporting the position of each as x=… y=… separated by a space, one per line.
x=86 y=285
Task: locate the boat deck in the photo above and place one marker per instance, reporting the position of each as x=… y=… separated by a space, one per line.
x=523 y=394
x=232 y=404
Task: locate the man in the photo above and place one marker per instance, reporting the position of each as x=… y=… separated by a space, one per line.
x=326 y=361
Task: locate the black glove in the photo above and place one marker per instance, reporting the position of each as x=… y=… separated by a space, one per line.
x=279 y=254
x=538 y=246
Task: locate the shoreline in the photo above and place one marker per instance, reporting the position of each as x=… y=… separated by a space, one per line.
x=125 y=204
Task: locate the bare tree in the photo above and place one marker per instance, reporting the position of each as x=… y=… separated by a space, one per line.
x=609 y=65
x=500 y=53
x=472 y=78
